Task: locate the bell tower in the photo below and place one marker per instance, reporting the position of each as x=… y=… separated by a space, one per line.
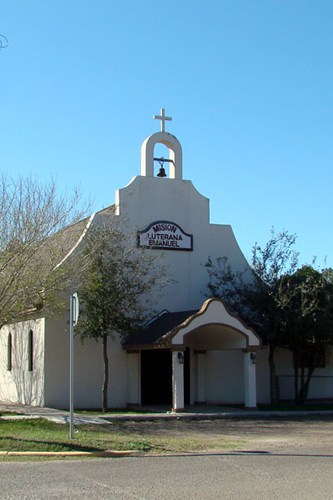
x=175 y=160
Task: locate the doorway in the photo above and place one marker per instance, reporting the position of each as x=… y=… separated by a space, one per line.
x=156 y=377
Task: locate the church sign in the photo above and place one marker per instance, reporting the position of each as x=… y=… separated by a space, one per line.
x=165 y=235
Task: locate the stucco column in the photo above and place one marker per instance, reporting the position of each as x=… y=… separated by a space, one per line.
x=250 y=388
x=133 y=378
x=201 y=377
x=177 y=381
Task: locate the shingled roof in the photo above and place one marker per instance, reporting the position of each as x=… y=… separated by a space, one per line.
x=63 y=243
x=156 y=333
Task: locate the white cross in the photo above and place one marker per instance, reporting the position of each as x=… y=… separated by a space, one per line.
x=163 y=119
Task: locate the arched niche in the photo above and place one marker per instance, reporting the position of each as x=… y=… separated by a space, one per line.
x=175 y=154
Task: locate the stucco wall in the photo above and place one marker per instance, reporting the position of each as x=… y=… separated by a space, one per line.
x=19 y=384
x=321 y=385
x=149 y=199
x=224 y=377
x=88 y=370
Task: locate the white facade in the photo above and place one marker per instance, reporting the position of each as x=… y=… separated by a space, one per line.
x=20 y=381
x=210 y=356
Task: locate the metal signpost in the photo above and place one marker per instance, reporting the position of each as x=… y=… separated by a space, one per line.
x=73 y=317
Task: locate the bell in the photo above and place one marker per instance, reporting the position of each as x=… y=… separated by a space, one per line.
x=161 y=172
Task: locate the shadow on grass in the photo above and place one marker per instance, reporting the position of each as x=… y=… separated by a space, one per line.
x=10 y=443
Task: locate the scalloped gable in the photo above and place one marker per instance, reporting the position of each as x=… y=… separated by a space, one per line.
x=214 y=311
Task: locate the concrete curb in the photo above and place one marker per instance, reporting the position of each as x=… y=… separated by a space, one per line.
x=125 y=453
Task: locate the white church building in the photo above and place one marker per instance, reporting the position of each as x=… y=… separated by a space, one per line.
x=193 y=351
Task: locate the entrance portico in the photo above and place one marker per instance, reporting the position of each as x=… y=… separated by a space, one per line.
x=210 y=330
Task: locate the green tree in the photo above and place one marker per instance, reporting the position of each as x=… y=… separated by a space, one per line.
x=254 y=294
x=306 y=302
x=116 y=291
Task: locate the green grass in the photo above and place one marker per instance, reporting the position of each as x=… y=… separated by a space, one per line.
x=42 y=435
x=2 y=413
x=36 y=435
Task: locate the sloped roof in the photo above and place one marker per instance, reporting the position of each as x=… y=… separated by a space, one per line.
x=59 y=246
x=156 y=333
x=67 y=238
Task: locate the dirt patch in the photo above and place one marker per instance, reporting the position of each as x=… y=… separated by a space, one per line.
x=308 y=435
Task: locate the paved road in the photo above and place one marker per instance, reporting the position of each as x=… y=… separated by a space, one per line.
x=238 y=476
x=292 y=458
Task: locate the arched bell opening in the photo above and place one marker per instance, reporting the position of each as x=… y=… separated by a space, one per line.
x=162 y=161
x=173 y=157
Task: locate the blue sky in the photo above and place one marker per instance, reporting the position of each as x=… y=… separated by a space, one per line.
x=247 y=82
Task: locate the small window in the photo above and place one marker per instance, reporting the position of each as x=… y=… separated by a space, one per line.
x=30 y=351
x=9 y=352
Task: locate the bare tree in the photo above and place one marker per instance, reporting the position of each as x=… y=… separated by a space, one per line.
x=32 y=242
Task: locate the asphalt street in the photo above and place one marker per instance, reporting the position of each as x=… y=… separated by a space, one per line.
x=229 y=476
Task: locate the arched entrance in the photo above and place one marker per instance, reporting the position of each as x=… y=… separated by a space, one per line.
x=213 y=328
x=201 y=334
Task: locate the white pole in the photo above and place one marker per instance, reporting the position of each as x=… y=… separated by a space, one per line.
x=71 y=366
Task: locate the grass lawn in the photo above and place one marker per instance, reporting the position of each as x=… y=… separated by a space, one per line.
x=9 y=413
x=42 y=435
